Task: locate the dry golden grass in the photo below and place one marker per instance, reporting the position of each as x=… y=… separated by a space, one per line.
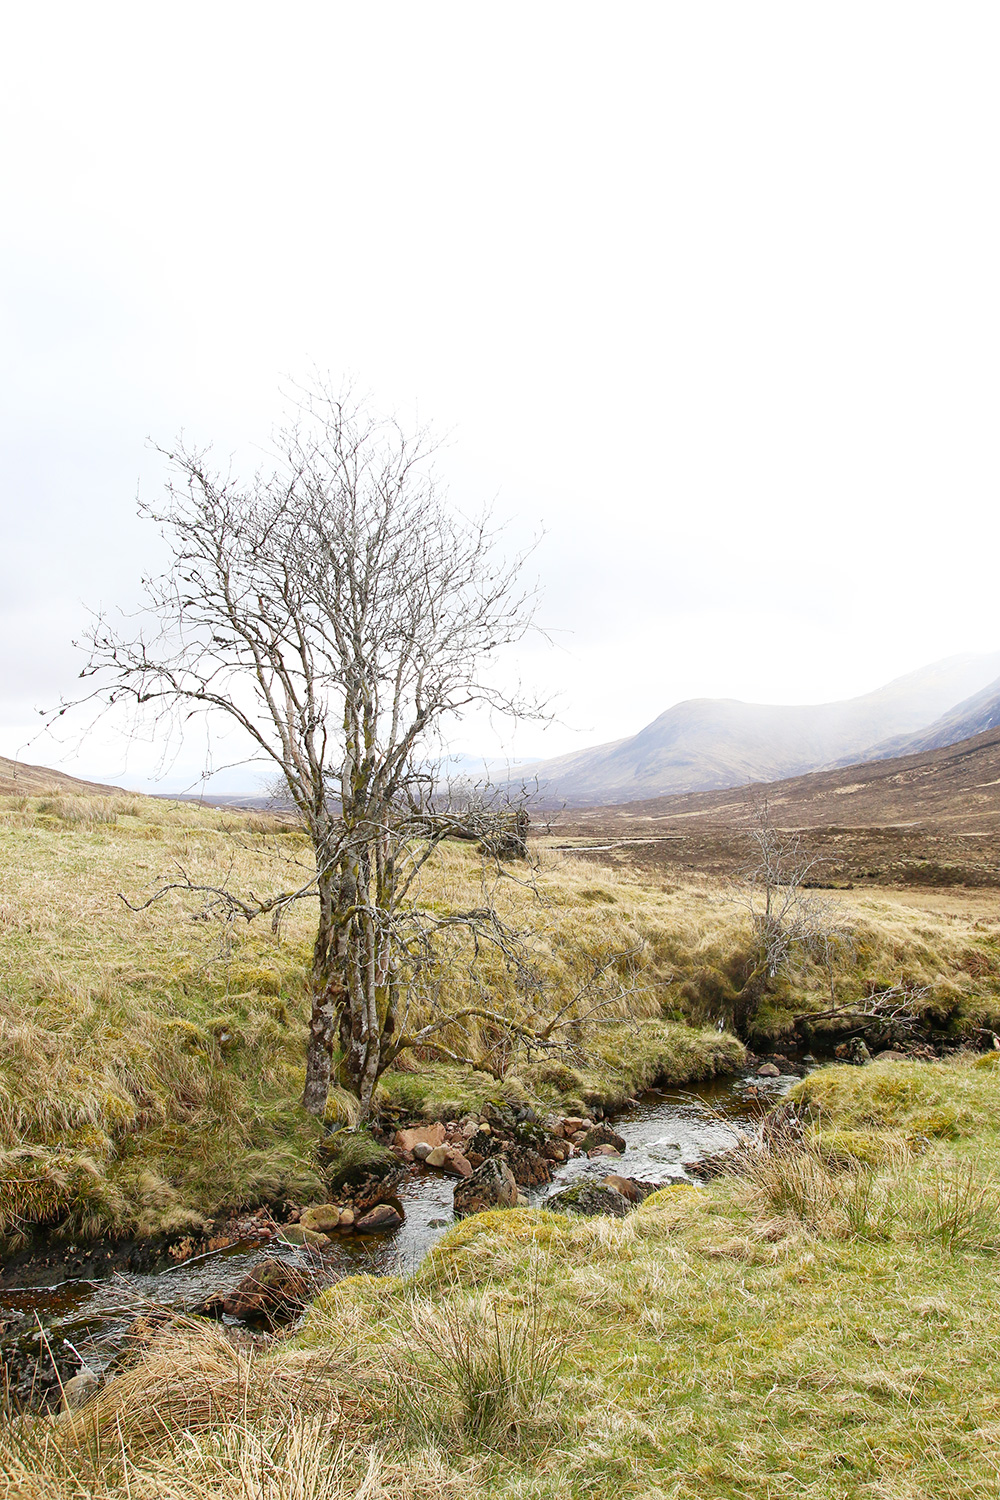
x=151 y=1063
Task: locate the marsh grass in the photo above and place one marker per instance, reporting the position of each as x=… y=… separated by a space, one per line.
x=479 y=1370
x=959 y=1208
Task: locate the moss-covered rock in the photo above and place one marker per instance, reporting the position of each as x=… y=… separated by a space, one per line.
x=590 y=1197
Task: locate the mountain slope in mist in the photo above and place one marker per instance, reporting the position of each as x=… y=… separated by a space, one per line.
x=973 y=716
x=706 y=743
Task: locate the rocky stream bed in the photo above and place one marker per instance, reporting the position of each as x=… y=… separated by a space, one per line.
x=83 y=1308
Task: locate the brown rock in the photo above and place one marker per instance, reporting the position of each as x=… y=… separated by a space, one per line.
x=603 y=1151
x=380 y=1218
x=78 y=1391
x=557 y=1150
x=378 y=1190
x=623 y=1185
x=602 y=1135
x=491 y=1186
x=768 y=1070
x=272 y=1292
x=450 y=1159
x=347 y=1217
x=572 y=1123
x=430 y=1135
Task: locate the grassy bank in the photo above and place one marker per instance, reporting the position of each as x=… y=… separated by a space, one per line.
x=151 y=1063
x=833 y=1339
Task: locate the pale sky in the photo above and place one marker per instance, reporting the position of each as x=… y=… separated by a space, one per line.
x=708 y=292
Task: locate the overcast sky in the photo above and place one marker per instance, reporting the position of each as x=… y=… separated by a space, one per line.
x=709 y=292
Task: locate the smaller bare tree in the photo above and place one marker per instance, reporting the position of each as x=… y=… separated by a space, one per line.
x=786 y=918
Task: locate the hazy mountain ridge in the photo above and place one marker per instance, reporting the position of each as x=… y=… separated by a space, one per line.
x=974 y=716
x=705 y=744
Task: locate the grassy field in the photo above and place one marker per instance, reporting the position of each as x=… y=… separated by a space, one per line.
x=151 y=1062
x=809 y=1327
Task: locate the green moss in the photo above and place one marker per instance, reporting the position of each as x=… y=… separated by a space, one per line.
x=849 y=1148
x=930 y=1099
x=348 y=1156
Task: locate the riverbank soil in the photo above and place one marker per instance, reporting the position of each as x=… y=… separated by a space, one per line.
x=823 y=1321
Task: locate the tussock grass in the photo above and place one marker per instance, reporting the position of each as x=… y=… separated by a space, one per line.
x=151 y=1064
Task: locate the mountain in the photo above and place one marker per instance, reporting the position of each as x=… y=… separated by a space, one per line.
x=928 y=819
x=32 y=781
x=973 y=716
x=956 y=787
x=706 y=743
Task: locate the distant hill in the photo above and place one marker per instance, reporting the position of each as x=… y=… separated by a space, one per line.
x=930 y=819
x=974 y=716
x=957 y=787
x=32 y=781
x=710 y=743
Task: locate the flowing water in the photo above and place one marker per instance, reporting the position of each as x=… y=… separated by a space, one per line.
x=667 y=1132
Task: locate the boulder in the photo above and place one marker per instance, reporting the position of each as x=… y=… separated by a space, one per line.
x=589 y=1198
x=768 y=1070
x=422 y=1151
x=604 y=1151
x=428 y=1135
x=602 y=1135
x=572 y=1123
x=377 y=1220
x=301 y=1234
x=378 y=1190
x=273 y=1292
x=450 y=1159
x=347 y=1217
x=322 y=1217
x=80 y=1389
x=491 y=1186
x=558 y=1150
x=623 y=1185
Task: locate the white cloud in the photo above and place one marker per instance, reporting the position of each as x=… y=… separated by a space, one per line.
x=709 y=292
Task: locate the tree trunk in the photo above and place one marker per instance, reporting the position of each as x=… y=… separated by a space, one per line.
x=327 y=991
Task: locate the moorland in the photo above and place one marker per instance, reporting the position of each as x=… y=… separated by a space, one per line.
x=816 y=1319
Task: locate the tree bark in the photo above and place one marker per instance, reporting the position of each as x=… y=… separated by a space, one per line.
x=327 y=1003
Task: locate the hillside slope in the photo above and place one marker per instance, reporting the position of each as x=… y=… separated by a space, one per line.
x=957 y=786
x=973 y=716
x=707 y=743
x=930 y=820
x=16 y=779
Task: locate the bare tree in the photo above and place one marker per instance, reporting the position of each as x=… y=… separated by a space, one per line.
x=785 y=917
x=339 y=613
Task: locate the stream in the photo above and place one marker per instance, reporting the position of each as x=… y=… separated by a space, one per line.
x=667 y=1132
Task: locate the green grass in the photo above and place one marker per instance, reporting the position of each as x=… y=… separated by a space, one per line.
x=151 y=1063
x=811 y=1325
